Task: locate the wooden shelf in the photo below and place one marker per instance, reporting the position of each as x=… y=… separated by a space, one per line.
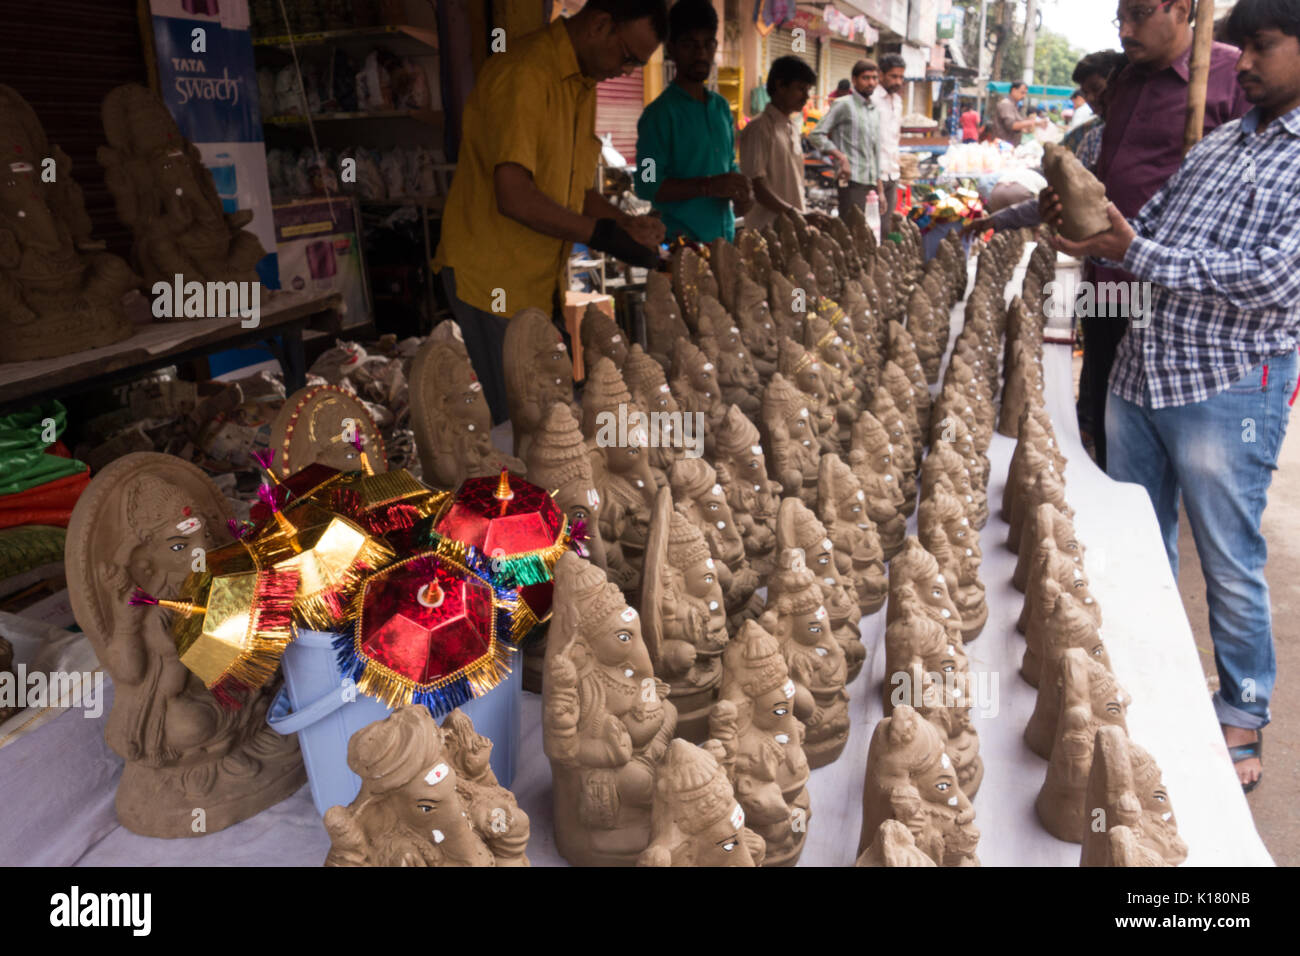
x=428 y=117
x=402 y=40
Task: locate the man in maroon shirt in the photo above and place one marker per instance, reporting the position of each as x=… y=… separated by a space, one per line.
x=1141 y=148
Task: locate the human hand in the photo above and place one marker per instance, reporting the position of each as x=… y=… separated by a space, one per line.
x=733 y=186
x=842 y=165
x=1049 y=206
x=977 y=227
x=645 y=230
x=1112 y=244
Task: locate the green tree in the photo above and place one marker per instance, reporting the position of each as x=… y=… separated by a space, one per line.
x=1054 y=59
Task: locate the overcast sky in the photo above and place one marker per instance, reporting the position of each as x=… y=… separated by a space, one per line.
x=1086 y=22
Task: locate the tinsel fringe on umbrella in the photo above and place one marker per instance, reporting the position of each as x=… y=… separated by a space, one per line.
x=446 y=693
x=270 y=630
x=518 y=570
x=327 y=608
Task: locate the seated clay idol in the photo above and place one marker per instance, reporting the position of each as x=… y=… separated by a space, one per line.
x=606 y=722
x=1126 y=786
x=696 y=819
x=167 y=196
x=762 y=738
x=428 y=798
x=911 y=779
x=59 y=292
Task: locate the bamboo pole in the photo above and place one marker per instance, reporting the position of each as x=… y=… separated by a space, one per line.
x=1199 y=75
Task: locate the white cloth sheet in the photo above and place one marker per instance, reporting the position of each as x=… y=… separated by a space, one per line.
x=1144 y=625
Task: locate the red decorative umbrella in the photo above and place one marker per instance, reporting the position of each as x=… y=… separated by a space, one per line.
x=517 y=528
x=429 y=630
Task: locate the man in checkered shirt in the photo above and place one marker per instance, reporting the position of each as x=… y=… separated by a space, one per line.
x=1201 y=392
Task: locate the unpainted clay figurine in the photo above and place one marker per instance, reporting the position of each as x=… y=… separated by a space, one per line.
x=139 y=525
x=741 y=468
x=1048 y=562
x=1083 y=197
x=790 y=439
x=698 y=494
x=798 y=619
x=538 y=370
x=1035 y=434
x=737 y=376
x=925 y=335
x=754 y=255
x=1039 y=483
x=1068 y=625
x=1126 y=786
x=944 y=467
x=664 y=324
x=684 y=620
x=946 y=532
x=450 y=414
x=694 y=382
x=797 y=529
x=624 y=480
x=884 y=410
x=560 y=462
x=606 y=720
x=691 y=279
x=755 y=720
x=319 y=424
x=757 y=327
x=910 y=778
x=842 y=507
x=1088 y=696
x=428 y=798
x=927 y=669
x=893 y=845
x=59 y=291
x=902 y=352
x=806 y=374
x=163 y=191
x=1047 y=522
x=1024 y=387
x=725 y=264
x=696 y=819
x=879 y=476
x=602 y=338
x=895 y=381
x=916 y=566
x=648 y=386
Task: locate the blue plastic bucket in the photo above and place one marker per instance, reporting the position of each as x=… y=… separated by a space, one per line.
x=324 y=712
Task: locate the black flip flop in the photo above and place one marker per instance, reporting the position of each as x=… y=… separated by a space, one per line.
x=1244 y=752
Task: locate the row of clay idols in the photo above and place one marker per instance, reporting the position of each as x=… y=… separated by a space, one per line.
x=60 y=292
x=626 y=788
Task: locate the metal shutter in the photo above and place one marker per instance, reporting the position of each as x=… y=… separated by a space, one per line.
x=777 y=43
x=843 y=56
x=63 y=57
x=618 y=107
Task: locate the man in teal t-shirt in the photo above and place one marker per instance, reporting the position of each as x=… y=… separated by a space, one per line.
x=686 y=146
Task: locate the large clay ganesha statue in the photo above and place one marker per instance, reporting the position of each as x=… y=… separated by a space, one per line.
x=168 y=198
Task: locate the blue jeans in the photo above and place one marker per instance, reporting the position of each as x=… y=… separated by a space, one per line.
x=1220 y=456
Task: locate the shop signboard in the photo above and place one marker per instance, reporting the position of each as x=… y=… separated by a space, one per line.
x=209 y=83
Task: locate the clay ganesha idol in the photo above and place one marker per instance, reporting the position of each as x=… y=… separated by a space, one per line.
x=428 y=798
x=696 y=819
x=910 y=778
x=755 y=721
x=684 y=620
x=538 y=373
x=167 y=197
x=1126 y=786
x=58 y=292
x=606 y=722
x=138 y=525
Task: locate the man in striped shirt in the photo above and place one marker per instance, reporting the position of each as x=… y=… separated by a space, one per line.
x=1201 y=388
x=850 y=133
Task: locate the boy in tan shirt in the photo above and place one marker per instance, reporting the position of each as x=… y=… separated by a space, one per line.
x=771 y=148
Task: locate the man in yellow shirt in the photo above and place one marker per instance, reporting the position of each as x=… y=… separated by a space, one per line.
x=523 y=190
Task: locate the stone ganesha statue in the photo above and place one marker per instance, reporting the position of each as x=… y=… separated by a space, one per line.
x=684 y=622
x=606 y=720
x=755 y=720
x=138 y=525
x=450 y=414
x=165 y=194
x=696 y=820
x=910 y=778
x=428 y=798
x=59 y=291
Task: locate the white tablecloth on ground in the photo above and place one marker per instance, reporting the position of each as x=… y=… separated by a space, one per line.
x=1146 y=632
